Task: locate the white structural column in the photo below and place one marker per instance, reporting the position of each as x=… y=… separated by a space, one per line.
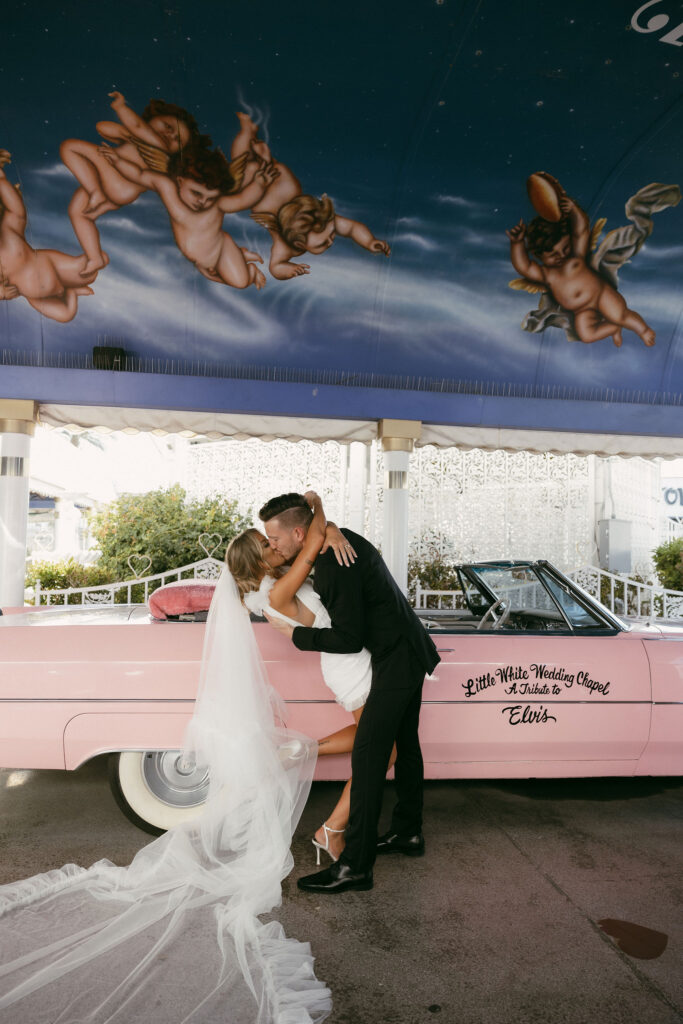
x=67 y=521
x=357 y=484
x=17 y=424
x=398 y=440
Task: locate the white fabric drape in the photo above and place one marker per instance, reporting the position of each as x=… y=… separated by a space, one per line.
x=241 y=426
x=188 y=423
x=176 y=936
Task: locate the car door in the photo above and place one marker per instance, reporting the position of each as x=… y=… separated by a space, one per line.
x=551 y=690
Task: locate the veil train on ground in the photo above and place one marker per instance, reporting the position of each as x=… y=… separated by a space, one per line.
x=177 y=935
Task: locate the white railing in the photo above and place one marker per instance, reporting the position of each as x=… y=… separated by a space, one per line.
x=621 y=594
x=105 y=593
x=521 y=596
x=670 y=530
x=455 y=597
x=629 y=597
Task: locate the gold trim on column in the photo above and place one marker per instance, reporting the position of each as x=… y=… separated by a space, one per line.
x=397 y=444
x=18 y=416
x=17 y=427
x=399 y=435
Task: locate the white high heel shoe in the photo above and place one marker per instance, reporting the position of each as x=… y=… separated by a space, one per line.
x=326 y=846
x=291 y=752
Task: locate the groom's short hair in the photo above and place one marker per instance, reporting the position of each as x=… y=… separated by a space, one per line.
x=290 y=509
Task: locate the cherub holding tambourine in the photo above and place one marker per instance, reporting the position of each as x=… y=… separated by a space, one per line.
x=553 y=253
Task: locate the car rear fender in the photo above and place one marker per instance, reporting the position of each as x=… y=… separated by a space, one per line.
x=147 y=728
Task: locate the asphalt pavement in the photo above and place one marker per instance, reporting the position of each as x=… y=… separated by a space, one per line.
x=497 y=924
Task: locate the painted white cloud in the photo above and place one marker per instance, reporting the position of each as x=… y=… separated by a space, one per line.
x=657 y=301
x=459 y=202
x=416 y=241
x=411 y=311
x=453 y=200
x=57 y=170
x=652 y=251
x=492 y=240
x=192 y=318
x=132 y=227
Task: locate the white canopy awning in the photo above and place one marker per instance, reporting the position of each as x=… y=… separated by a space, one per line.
x=240 y=426
x=294 y=428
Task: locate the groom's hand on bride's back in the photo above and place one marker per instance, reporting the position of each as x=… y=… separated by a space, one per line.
x=280 y=625
x=342 y=547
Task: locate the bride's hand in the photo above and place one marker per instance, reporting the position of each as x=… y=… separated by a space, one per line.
x=280 y=626
x=335 y=539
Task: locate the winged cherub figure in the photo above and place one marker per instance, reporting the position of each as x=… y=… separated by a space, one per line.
x=558 y=255
x=49 y=280
x=197 y=191
x=297 y=223
x=144 y=140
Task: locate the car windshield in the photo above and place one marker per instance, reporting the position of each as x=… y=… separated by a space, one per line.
x=578 y=614
x=529 y=597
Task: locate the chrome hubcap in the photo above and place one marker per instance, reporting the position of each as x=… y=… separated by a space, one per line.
x=174 y=779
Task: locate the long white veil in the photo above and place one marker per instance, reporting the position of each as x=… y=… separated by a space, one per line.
x=176 y=936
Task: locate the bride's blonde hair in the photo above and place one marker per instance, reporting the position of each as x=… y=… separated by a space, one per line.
x=244 y=558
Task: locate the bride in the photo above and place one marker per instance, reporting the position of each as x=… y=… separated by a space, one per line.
x=178 y=936
x=266 y=589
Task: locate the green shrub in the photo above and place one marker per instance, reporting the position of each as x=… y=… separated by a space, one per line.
x=431 y=574
x=160 y=525
x=66 y=573
x=668 y=559
x=163 y=526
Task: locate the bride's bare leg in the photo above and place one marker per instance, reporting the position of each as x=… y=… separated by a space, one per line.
x=337 y=743
x=340 y=742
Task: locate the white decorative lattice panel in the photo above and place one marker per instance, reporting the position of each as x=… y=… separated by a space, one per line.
x=252 y=471
x=464 y=505
x=467 y=505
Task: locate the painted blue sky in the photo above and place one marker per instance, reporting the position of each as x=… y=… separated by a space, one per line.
x=422 y=120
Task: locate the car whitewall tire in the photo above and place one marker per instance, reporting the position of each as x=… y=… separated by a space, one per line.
x=156 y=789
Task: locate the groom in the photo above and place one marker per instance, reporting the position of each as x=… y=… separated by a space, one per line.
x=367 y=609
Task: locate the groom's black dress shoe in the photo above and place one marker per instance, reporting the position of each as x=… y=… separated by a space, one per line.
x=337 y=878
x=411 y=846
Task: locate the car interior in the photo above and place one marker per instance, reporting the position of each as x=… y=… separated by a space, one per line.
x=510 y=597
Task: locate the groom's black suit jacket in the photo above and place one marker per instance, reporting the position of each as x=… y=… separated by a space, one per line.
x=367 y=609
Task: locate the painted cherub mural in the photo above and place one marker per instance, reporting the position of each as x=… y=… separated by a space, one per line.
x=297 y=223
x=576 y=276
x=163 y=151
x=49 y=280
x=144 y=140
x=198 y=189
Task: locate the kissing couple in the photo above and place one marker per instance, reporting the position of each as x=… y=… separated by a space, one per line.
x=375 y=653
x=185 y=932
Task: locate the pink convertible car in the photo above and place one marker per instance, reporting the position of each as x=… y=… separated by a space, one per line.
x=536 y=680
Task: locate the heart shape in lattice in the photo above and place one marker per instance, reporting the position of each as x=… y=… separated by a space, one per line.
x=210 y=538
x=42 y=542
x=143 y=563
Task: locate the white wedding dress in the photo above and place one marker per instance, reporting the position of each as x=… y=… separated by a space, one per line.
x=347 y=675
x=177 y=936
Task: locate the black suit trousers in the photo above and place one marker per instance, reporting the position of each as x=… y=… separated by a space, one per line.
x=391 y=715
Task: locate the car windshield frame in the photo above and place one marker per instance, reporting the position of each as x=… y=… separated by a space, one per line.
x=544 y=571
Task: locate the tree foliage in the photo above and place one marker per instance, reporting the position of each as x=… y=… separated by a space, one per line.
x=432 y=574
x=668 y=559
x=63 y=574
x=163 y=526
x=160 y=525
